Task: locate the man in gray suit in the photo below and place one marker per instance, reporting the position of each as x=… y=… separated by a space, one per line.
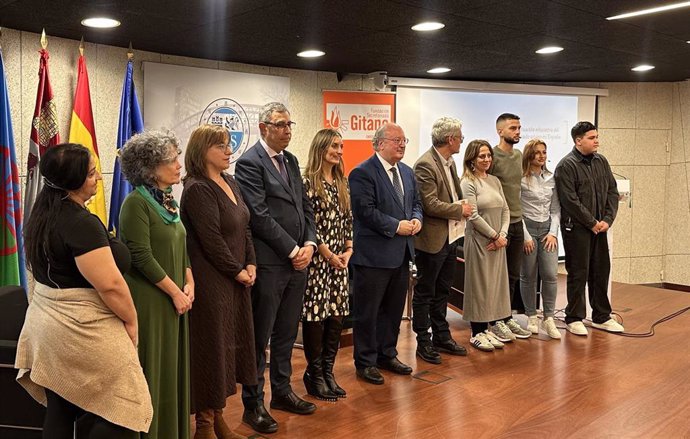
x=282 y=225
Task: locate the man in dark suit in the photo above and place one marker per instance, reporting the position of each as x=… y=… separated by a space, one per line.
x=387 y=214
x=282 y=224
x=439 y=190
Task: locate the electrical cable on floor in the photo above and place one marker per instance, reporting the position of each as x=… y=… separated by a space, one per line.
x=649 y=333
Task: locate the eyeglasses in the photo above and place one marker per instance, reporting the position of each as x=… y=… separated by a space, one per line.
x=282 y=125
x=398 y=140
x=223 y=146
x=462 y=138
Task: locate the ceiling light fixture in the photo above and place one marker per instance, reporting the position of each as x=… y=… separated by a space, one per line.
x=428 y=26
x=642 y=68
x=100 y=22
x=436 y=70
x=311 y=54
x=650 y=11
x=548 y=49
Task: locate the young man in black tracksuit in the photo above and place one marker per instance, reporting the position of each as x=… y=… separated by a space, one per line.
x=589 y=202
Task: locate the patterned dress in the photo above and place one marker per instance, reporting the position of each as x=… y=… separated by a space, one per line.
x=327 y=288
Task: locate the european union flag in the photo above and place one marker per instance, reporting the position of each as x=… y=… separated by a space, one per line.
x=131 y=123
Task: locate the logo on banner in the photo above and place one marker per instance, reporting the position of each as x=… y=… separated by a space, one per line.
x=357 y=121
x=230 y=115
x=336 y=122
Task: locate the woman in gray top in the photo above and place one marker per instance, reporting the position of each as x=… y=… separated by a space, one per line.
x=541 y=213
x=487 y=297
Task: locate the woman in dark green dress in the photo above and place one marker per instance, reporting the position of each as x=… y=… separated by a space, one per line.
x=160 y=279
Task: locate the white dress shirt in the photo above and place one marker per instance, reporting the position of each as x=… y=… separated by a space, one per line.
x=387 y=166
x=540 y=201
x=449 y=175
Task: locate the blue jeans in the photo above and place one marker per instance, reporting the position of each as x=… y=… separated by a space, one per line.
x=547 y=264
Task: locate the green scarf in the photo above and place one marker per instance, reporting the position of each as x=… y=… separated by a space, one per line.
x=162 y=201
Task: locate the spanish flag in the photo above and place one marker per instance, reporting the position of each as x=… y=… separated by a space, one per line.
x=83 y=131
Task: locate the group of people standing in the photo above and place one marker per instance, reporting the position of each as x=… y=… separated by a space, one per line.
x=136 y=333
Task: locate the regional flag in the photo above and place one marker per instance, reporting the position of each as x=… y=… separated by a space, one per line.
x=131 y=123
x=12 y=267
x=82 y=130
x=44 y=134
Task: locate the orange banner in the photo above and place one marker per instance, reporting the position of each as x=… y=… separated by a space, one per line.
x=357 y=116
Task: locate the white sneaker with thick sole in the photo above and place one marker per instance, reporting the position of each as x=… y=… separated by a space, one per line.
x=577 y=328
x=482 y=343
x=549 y=326
x=498 y=344
x=610 y=325
x=533 y=325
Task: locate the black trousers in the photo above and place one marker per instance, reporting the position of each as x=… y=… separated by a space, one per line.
x=61 y=415
x=430 y=300
x=377 y=306
x=587 y=262
x=514 y=252
x=277 y=299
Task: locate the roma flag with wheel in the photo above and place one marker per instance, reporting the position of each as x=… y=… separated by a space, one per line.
x=12 y=266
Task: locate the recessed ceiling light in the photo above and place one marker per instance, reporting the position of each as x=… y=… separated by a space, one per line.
x=439 y=70
x=428 y=26
x=650 y=11
x=100 y=22
x=549 y=49
x=311 y=54
x=642 y=68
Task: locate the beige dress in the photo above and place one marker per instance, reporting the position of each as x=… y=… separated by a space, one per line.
x=487 y=297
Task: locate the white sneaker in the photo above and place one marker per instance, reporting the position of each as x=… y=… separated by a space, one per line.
x=610 y=325
x=495 y=342
x=577 y=328
x=549 y=326
x=501 y=331
x=533 y=325
x=482 y=343
x=517 y=330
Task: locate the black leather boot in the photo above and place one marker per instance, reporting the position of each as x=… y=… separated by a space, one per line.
x=333 y=327
x=312 y=336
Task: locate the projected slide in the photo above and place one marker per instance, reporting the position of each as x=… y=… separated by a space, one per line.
x=548 y=117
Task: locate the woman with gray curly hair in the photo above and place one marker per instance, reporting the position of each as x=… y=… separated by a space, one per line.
x=160 y=278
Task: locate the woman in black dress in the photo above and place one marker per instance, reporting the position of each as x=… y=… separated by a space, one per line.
x=326 y=298
x=222 y=255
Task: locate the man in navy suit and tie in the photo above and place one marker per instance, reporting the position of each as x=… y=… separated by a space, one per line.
x=387 y=214
x=284 y=235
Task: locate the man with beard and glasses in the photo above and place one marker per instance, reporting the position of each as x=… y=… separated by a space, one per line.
x=507 y=167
